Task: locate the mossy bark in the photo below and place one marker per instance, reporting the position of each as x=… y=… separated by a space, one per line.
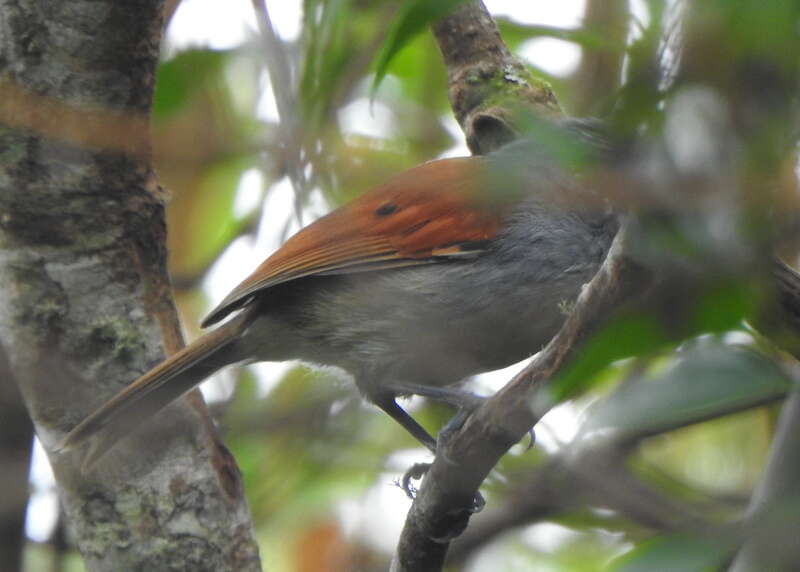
x=488 y=85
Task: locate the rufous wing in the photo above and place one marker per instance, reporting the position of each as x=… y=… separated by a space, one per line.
x=430 y=213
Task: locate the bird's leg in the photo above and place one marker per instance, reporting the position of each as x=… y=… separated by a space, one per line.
x=390 y=406
x=458 y=398
x=464 y=401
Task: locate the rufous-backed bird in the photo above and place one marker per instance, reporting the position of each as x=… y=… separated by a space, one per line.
x=455 y=267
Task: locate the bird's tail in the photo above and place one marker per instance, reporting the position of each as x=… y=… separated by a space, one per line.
x=157 y=388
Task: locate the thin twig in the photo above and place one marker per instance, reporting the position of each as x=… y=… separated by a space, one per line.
x=170 y=7
x=281 y=80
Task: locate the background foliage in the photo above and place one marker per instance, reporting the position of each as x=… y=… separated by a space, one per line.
x=363 y=95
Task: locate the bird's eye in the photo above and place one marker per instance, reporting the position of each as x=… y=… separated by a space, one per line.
x=386 y=209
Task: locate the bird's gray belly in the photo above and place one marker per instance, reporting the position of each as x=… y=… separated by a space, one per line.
x=438 y=324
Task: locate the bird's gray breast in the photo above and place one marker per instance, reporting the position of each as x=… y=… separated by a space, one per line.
x=437 y=324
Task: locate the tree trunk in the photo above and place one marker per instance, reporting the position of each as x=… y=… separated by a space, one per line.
x=16 y=440
x=86 y=300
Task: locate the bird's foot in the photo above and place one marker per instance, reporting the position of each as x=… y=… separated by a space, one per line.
x=417 y=471
x=532 y=435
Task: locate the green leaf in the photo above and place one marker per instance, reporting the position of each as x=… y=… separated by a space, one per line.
x=421 y=77
x=635 y=335
x=209 y=222
x=414 y=16
x=327 y=27
x=723 y=307
x=185 y=74
x=678 y=553
x=515 y=33
x=704 y=383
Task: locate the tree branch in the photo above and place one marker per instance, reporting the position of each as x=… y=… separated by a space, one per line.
x=600 y=73
x=280 y=75
x=486 y=82
x=170 y=7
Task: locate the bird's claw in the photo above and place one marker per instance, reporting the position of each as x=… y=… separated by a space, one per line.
x=415 y=473
x=532 y=433
x=478 y=502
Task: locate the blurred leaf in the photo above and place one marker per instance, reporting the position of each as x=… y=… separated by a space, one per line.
x=703 y=308
x=414 y=16
x=755 y=29
x=516 y=33
x=683 y=552
x=423 y=78
x=706 y=382
x=207 y=224
x=202 y=142
x=640 y=99
x=723 y=457
x=637 y=335
x=325 y=54
x=571 y=145
x=360 y=167
x=722 y=307
x=315 y=450
x=188 y=72
x=340 y=37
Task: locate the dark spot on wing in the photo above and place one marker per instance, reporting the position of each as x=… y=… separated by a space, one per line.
x=386 y=209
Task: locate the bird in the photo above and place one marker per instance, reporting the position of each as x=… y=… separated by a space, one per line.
x=452 y=268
